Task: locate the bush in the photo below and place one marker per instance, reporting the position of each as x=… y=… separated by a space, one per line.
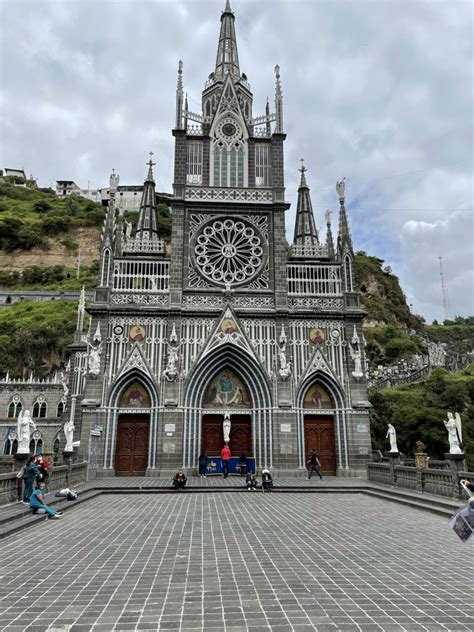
x=42 y=206
x=70 y=244
x=54 y=224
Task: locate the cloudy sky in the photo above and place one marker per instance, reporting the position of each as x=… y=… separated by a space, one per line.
x=377 y=91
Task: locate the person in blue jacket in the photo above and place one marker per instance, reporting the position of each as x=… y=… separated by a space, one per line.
x=37 y=501
x=30 y=475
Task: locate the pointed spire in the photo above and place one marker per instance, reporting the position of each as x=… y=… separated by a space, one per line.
x=179 y=97
x=306 y=234
x=267 y=114
x=344 y=240
x=278 y=102
x=329 y=237
x=227 y=60
x=81 y=310
x=147 y=227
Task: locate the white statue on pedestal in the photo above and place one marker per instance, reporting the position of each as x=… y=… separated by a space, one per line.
x=68 y=433
x=128 y=230
x=25 y=425
x=454 y=428
x=93 y=360
x=226 y=428
x=341 y=189
x=171 y=371
x=392 y=435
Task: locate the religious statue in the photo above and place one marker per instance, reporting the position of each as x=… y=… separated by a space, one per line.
x=25 y=425
x=93 y=360
x=341 y=189
x=392 y=435
x=171 y=371
x=226 y=428
x=128 y=230
x=454 y=428
x=285 y=366
x=68 y=433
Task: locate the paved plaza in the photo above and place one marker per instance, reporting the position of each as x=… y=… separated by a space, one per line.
x=237 y=562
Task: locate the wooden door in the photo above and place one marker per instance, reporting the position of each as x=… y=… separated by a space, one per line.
x=131 y=452
x=212 y=435
x=240 y=435
x=319 y=435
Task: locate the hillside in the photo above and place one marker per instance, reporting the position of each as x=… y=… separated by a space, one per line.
x=417 y=412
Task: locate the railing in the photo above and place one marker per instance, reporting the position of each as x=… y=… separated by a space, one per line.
x=308 y=280
x=443 y=481
x=224 y=194
x=61 y=476
x=144 y=246
x=141 y=276
x=194 y=130
x=392 y=380
x=309 y=250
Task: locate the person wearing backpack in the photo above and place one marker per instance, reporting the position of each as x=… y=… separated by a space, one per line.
x=314 y=465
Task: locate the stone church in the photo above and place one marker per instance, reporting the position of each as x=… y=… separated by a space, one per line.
x=234 y=323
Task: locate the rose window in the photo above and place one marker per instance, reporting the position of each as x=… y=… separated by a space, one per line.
x=228 y=251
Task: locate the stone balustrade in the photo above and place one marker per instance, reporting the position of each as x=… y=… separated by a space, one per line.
x=440 y=481
x=61 y=476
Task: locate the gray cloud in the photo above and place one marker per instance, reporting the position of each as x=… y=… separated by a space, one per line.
x=379 y=92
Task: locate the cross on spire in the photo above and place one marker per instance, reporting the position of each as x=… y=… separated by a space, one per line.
x=302 y=170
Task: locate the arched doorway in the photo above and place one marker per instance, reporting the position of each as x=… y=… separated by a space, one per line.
x=319 y=428
x=226 y=393
x=133 y=432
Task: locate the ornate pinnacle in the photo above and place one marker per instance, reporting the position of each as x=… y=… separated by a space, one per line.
x=327 y=216
x=227 y=7
x=302 y=170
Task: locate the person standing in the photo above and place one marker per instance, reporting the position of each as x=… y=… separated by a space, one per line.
x=225 y=457
x=29 y=477
x=314 y=465
x=202 y=462
x=243 y=464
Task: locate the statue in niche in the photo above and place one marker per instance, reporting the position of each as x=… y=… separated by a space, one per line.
x=25 y=425
x=285 y=367
x=226 y=427
x=171 y=371
x=93 y=360
x=68 y=433
x=392 y=435
x=128 y=230
x=454 y=428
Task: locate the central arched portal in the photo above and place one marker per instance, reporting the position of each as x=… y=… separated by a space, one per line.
x=133 y=432
x=226 y=395
x=319 y=428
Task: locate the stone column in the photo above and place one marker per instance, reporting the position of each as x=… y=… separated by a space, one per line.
x=67 y=460
x=457 y=464
x=20 y=460
x=394 y=459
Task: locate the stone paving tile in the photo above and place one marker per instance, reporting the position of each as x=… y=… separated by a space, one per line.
x=237 y=563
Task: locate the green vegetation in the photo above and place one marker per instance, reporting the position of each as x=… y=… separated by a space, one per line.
x=164 y=220
x=28 y=217
x=382 y=295
x=417 y=412
x=458 y=334
x=50 y=278
x=34 y=336
x=389 y=344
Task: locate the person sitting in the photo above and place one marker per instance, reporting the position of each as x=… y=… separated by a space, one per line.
x=243 y=464
x=267 y=480
x=38 y=504
x=251 y=482
x=179 y=481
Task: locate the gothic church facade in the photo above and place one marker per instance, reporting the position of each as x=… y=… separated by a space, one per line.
x=234 y=322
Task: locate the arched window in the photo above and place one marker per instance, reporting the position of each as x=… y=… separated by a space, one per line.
x=14 y=408
x=105 y=268
x=36 y=443
x=39 y=409
x=60 y=410
x=7 y=446
x=56 y=449
x=348 y=273
x=229 y=165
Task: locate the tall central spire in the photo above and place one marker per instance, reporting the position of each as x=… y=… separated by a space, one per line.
x=306 y=234
x=227 y=55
